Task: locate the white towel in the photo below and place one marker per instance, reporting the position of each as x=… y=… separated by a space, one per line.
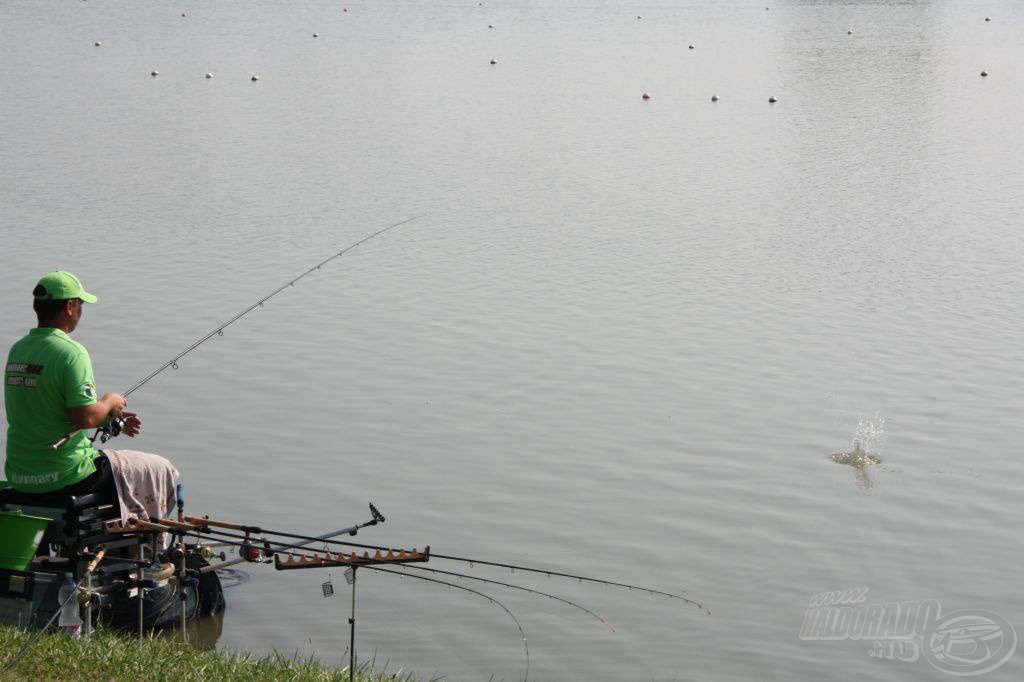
x=146 y=484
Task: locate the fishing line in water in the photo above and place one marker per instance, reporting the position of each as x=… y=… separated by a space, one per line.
x=526 y=646
x=219 y=329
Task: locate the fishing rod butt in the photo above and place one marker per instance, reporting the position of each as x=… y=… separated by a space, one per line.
x=64 y=439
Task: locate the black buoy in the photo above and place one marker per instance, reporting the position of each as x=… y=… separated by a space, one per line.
x=154 y=72
x=773 y=99
x=255 y=78
x=714 y=98
x=984 y=73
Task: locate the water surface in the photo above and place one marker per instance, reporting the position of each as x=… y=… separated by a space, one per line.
x=625 y=340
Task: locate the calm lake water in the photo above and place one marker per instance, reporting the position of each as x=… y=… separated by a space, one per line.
x=624 y=340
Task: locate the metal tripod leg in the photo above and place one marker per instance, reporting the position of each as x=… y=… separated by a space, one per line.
x=352 y=632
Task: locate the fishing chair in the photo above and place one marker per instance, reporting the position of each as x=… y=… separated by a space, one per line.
x=76 y=526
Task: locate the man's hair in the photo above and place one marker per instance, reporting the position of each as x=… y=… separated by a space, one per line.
x=46 y=310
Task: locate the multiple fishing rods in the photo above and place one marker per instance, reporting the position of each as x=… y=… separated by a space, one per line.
x=256 y=530
x=263 y=550
x=266 y=549
x=114 y=426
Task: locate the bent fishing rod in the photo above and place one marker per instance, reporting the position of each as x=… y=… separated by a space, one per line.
x=114 y=427
x=256 y=530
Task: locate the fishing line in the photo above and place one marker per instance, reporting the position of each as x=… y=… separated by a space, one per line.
x=219 y=330
x=489 y=598
x=514 y=587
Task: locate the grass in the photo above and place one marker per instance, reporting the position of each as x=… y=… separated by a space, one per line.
x=110 y=656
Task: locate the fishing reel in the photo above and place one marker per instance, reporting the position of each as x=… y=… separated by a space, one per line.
x=255 y=554
x=111 y=429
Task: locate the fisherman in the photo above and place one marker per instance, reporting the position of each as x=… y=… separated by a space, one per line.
x=50 y=393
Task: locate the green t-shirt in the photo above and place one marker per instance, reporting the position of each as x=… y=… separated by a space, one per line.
x=46 y=373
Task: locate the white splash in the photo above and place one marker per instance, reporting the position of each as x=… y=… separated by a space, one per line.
x=866 y=441
x=869 y=434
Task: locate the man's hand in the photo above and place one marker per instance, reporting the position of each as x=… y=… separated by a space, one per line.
x=117 y=403
x=132 y=424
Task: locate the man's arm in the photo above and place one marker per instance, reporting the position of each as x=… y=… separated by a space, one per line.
x=91 y=416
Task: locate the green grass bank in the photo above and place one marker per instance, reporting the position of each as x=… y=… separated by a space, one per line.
x=108 y=656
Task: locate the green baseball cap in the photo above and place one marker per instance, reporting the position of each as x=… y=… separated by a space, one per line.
x=61 y=285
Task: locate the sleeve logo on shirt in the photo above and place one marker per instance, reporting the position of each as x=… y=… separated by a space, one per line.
x=89 y=390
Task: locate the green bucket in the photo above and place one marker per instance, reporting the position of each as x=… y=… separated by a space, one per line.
x=20 y=535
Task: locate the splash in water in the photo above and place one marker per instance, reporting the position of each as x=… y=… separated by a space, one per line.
x=866 y=441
